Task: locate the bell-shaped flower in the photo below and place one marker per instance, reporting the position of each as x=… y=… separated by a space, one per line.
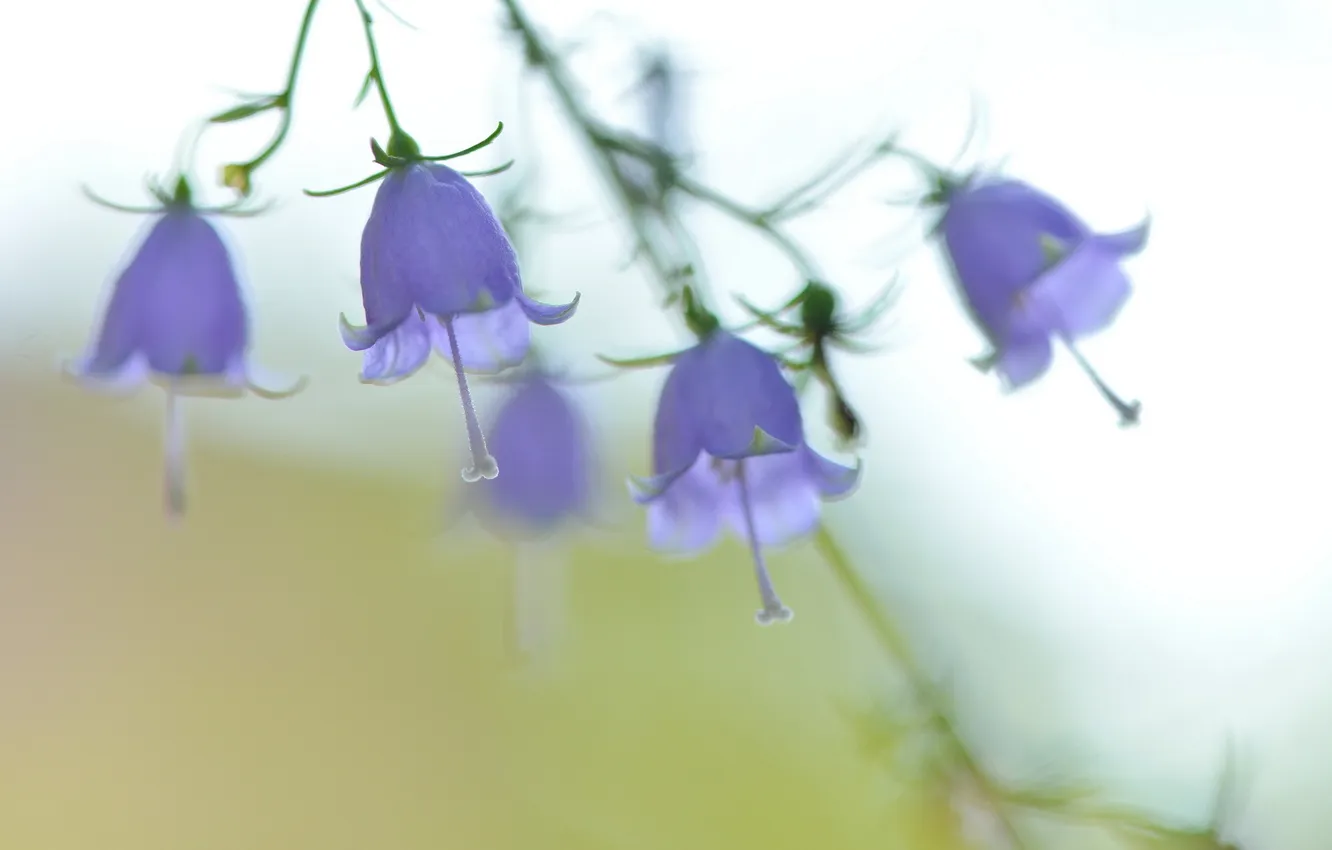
x=1031 y=271
x=542 y=439
x=729 y=449
x=177 y=316
x=438 y=273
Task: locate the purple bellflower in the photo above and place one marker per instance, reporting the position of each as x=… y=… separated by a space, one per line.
x=542 y=438
x=729 y=448
x=543 y=441
x=438 y=273
x=1029 y=271
x=175 y=316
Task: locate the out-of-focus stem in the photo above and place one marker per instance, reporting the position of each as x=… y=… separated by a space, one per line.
x=892 y=642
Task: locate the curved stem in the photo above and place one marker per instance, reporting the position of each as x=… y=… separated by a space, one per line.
x=288 y=94
x=376 y=73
x=758 y=221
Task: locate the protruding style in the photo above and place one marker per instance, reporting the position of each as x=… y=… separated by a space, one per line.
x=438 y=272
x=729 y=448
x=1031 y=271
x=177 y=316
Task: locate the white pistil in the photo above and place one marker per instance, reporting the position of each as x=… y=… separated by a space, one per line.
x=483 y=464
x=773 y=610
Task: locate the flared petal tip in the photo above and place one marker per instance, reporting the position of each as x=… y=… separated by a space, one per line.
x=1129 y=242
x=774 y=614
x=356 y=338
x=644 y=490
x=539 y=313
x=837 y=481
x=276 y=387
x=386 y=380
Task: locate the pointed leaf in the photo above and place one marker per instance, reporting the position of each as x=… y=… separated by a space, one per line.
x=640 y=362
x=366 y=84
x=245 y=110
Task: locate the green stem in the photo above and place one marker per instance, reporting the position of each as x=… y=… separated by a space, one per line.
x=578 y=115
x=889 y=638
x=574 y=110
x=759 y=221
x=894 y=644
x=367 y=24
x=887 y=635
x=288 y=94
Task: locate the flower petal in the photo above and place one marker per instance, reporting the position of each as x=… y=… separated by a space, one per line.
x=676 y=432
x=397 y=354
x=737 y=399
x=687 y=515
x=546 y=314
x=386 y=292
x=1126 y=243
x=268 y=384
x=438 y=244
x=177 y=302
x=361 y=337
x=490 y=341
x=1079 y=296
x=833 y=480
x=127 y=377
x=995 y=234
x=541 y=441
x=783 y=498
x=1024 y=359
x=195 y=321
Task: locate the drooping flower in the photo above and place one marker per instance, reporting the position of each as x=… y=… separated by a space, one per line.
x=1031 y=271
x=542 y=439
x=176 y=315
x=438 y=272
x=729 y=449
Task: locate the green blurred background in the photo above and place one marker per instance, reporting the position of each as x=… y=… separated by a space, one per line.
x=297 y=665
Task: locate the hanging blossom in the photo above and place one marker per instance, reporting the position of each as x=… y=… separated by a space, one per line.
x=541 y=437
x=1031 y=271
x=438 y=273
x=176 y=316
x=729 y=448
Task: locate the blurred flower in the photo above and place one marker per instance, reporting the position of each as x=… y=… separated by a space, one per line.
x=729 y=446
x=663 y=101
x=175 y=315
x=1030 y=270
x=542 y=438
x=437 y=271
x=648 y=169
